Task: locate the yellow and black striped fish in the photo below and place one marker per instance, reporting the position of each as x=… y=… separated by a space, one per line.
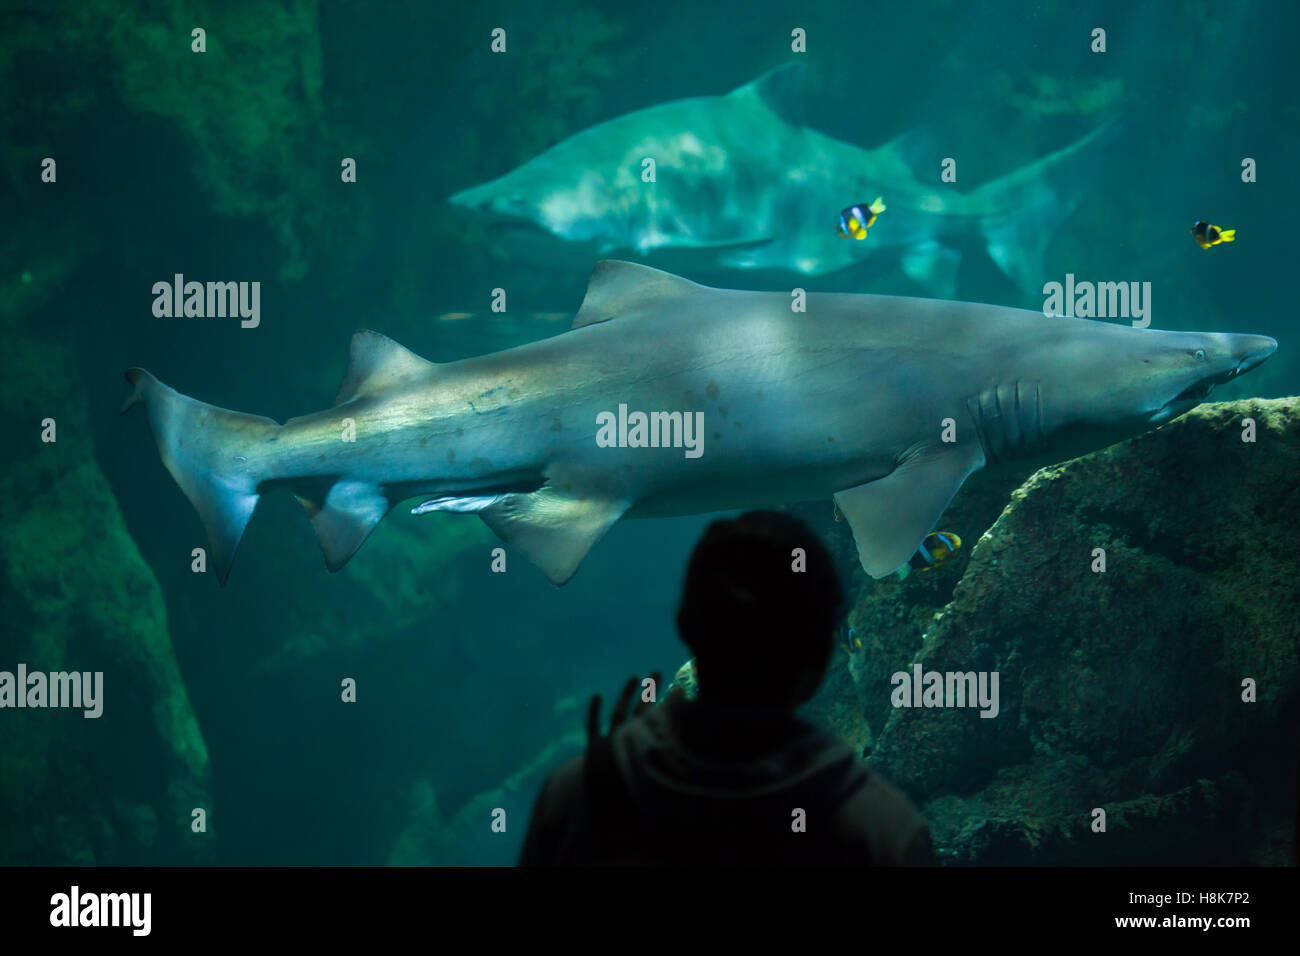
x=937 y=548
x=1208 y=235
x=856 y=220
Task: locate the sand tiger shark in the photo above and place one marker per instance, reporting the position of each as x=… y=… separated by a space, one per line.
x=884 y=403
x=742 y=183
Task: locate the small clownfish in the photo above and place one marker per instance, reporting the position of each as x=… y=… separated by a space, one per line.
x=849 y=640
x=937 y=548
x=856 y=220
x=1208 y=235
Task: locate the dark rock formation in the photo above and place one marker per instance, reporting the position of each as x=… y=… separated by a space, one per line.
x=1120 y=690
x=76 y=595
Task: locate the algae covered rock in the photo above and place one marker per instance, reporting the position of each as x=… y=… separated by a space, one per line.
x=889 y=616
x=75 y=595
x=1120 y=689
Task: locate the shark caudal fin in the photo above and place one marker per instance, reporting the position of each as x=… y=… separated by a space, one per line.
x=1021 y=212
x=208 y=451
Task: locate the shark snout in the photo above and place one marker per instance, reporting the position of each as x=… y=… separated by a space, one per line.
x=473 y=198
x=1240 y=354
x=492 y=200
x=1250 y=350
x=1221 y=357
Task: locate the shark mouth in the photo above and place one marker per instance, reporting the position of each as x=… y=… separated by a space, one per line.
x=1200 y=391
x=1196 y=393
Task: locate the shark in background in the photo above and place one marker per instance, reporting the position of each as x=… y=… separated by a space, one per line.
x=741 y=183
x=848 y=400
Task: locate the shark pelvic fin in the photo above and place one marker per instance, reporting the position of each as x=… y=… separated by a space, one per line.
x=553 y=529
x=780 y=89
x=345 y=518
x=377 y=363
x=617 y=288
x=890 y=517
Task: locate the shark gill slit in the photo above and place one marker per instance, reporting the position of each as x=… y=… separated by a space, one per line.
x=1007 y=417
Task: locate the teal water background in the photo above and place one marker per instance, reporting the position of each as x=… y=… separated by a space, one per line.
x=225 y=167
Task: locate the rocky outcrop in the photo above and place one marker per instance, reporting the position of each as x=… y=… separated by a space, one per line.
x=1123 y=689
x=478 y=833
x=76 y=595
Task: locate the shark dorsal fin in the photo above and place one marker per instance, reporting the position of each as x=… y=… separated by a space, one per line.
x=619 y=287
x=377 y=363
x=780 y=89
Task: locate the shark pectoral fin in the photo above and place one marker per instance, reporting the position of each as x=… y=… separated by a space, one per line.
x=890 y=517
x=345 y=518
x=377 y=363
x=933 y=266
x=553 y=529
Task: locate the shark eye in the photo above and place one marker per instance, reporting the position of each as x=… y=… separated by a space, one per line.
x=1199 y=354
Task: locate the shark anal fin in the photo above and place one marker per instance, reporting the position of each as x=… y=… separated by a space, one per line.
x=553 y=529
x=345 y=518
x=618 y=287
x=376 y=363
x=892 y=515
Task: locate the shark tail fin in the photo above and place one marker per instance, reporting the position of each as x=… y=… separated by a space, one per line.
x=1021 y=212
x=208 y=451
